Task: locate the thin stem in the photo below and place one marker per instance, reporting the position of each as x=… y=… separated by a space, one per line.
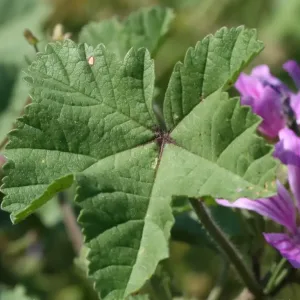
x=36 y=49
x=276 y=274
x=216 y=292
x=70 y=222
x=227 y=247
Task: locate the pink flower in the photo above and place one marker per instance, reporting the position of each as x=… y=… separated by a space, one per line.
x=281 y=208
x=265 y=94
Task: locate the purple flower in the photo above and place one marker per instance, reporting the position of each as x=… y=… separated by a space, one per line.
x=288 y=151
x=294 y=71
x=265 y=93
x=281 y=208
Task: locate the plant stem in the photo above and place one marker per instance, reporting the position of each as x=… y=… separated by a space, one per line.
x=227 y=247
x=273 y=281
x=70 y=222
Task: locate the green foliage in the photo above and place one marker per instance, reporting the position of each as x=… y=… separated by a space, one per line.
x=15 y=16
x=50 y=214
x=139 y=297
x=187 y=227
x=213 y=64
x=143 y=28
x=284 y=20
x=179 y=4
x=92 y=124
x=13 y=98
x=17 y=293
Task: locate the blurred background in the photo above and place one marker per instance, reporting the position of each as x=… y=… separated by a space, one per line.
x=39 y=254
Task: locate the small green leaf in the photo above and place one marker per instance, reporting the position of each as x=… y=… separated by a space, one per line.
x=92 y=123
x=143 y=28
x=213 y=64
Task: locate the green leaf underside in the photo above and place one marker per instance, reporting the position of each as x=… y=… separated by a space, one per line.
x=143 y=28
x=94 y=124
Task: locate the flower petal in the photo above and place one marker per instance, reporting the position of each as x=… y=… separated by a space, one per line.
x=289 y=247
x=269 y=108
x=279 y=208
x=288 y=151
x=293 y=69
x=263 y=73
x=249 y=86
x=264 y=92
x=295 y=104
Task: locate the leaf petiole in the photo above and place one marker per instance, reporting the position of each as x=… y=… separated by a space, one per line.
x=226 y=247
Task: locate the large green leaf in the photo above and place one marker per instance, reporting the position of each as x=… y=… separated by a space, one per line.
x=92 y=122
x=143 y=28
x=214 y=63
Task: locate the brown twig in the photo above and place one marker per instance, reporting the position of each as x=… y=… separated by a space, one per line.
x=70 y=222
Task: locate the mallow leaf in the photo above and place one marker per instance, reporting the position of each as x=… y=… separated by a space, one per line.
x=91 y=123
x=214 y=63
x=143 y=28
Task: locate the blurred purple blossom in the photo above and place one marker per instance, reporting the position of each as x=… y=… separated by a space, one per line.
x=293 y=69
x=281 y=208
x=266 y=94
